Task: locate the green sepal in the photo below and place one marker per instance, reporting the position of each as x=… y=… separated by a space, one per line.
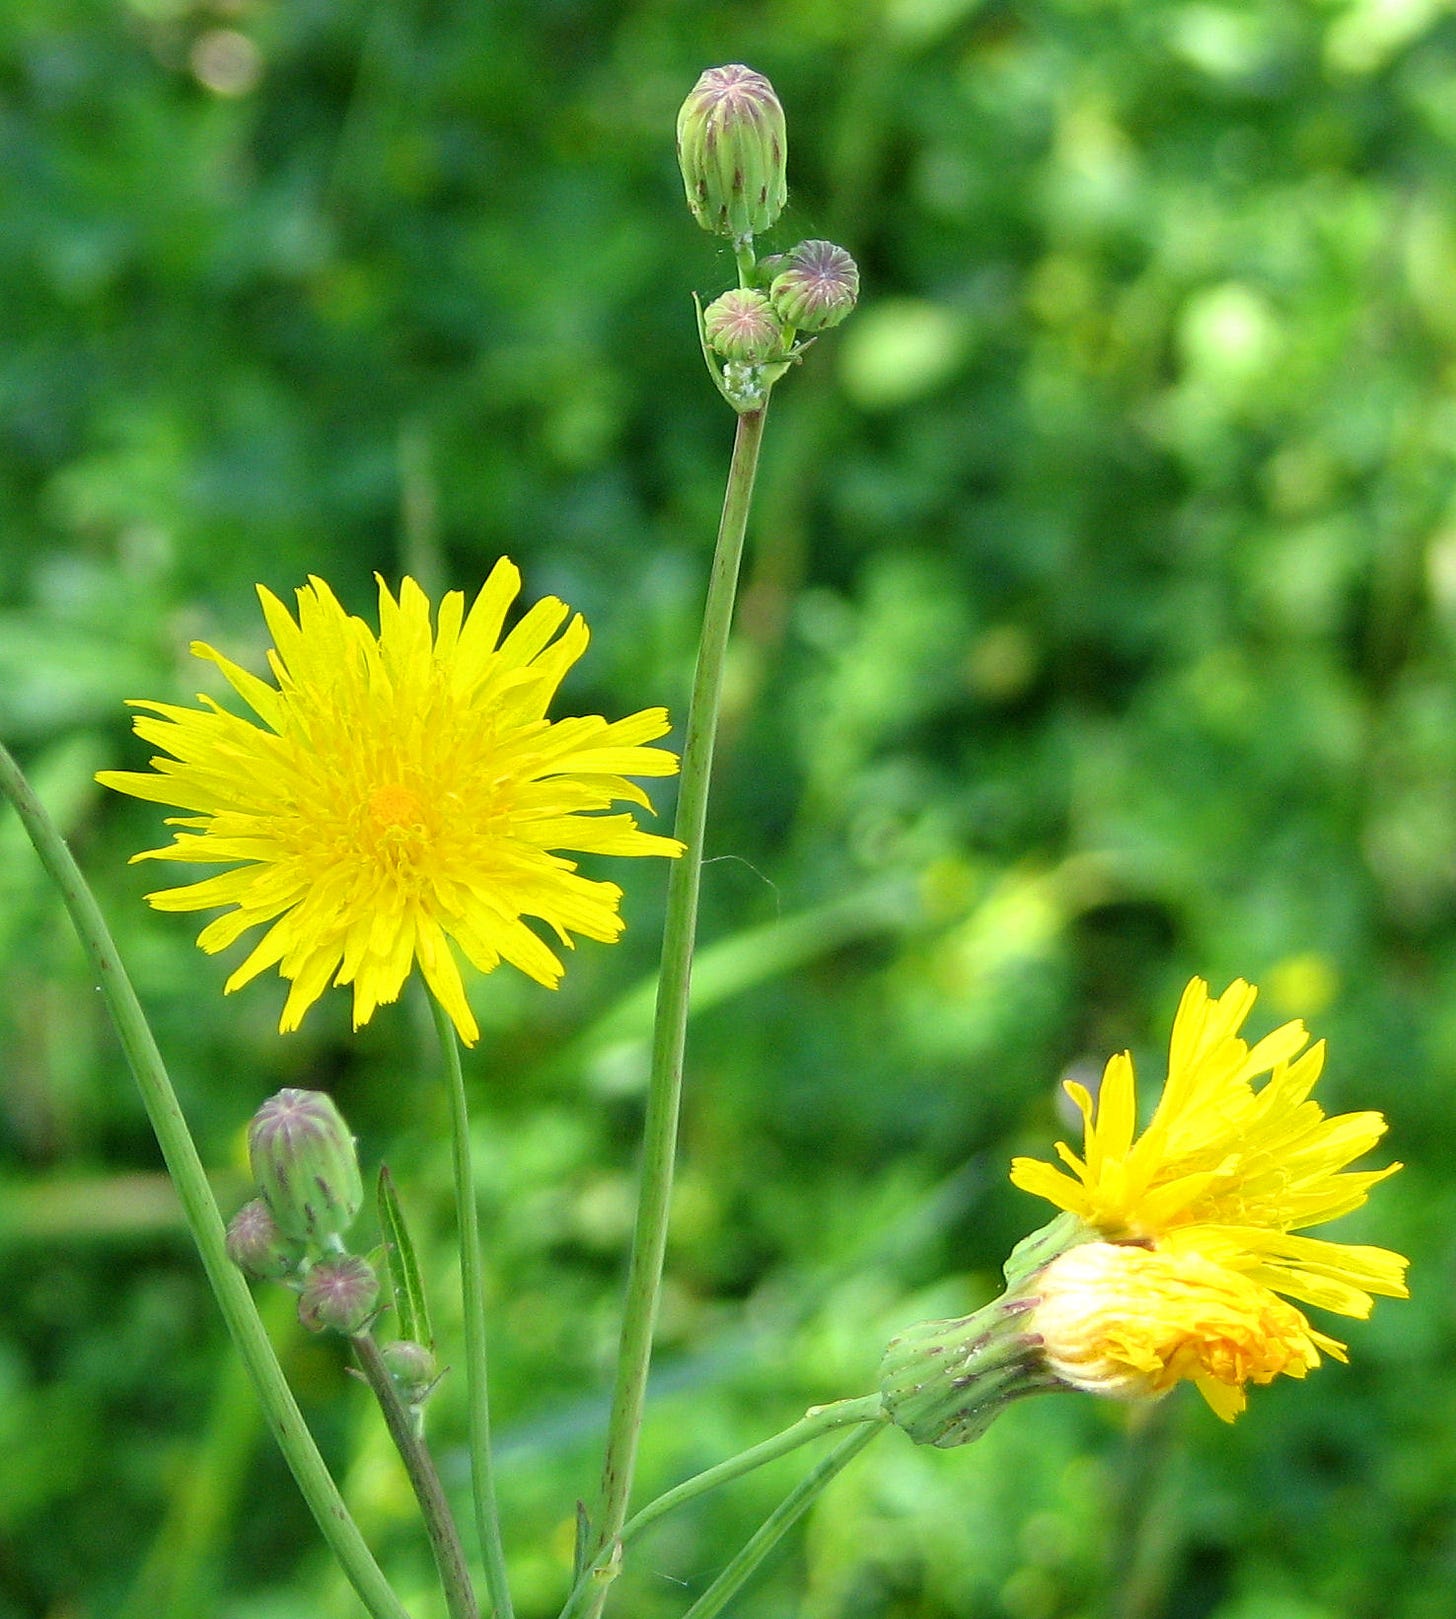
x=945 y=1382
x=412 y=1316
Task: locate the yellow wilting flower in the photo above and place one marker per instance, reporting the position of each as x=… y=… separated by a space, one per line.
x=404 y=793
x=1196 y=1220
x=1173 y=1247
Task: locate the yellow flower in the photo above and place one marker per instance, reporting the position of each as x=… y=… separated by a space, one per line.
x=404 y=792
x=1198 y=1216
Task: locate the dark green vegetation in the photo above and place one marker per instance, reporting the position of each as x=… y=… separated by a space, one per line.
x=1097 y=632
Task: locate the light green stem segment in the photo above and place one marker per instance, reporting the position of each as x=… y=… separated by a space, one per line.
x=472 y=1284
x=669 y=1035
x=199 y=1206
x=424 y=1480
x=821 y=1420
x=778 y=1523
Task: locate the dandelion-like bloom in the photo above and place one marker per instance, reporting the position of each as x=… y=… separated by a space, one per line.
x=1197 y=1219
x=404 y=793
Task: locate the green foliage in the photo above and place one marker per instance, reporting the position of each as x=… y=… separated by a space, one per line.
x=1097 y=632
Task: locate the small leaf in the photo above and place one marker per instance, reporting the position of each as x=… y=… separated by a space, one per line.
x=404 y=1271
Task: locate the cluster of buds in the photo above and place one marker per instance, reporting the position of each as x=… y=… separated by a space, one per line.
x=731 y=147
x=306 y=1172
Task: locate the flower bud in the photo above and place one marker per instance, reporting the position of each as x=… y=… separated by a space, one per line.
x=816 y=287
x=305 y=1165
x=731 y=146
x=741 y=326
x=945 y=1382
x=257 y=1246
x=413 y=1367
x=340 y=1293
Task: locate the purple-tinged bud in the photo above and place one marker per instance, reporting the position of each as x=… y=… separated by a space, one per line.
x=413 y=1367
x=741 y=326
x=731 y=147
x=340 y=1293
x=257 y=1246
x=816 y=288
x=305 y=1165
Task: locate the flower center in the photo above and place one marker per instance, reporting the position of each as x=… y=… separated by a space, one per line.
x=396 y=809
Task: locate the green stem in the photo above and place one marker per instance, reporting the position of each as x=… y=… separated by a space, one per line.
x=777 y=1524
x=472 y=1284
x=199 y=1207
x=424 y=1480
x=820 y=1420
x=649 y=1236
x=746 y=260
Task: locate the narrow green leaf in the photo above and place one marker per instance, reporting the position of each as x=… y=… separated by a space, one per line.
x=404 y=1271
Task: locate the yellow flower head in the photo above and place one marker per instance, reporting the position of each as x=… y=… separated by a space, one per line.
x=1198 y=1216
x=404 y=792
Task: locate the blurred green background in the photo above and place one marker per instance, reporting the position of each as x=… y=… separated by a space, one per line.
x=1097 y=632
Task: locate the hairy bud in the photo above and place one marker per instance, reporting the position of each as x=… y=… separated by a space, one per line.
x=305 y=1166
x=731 y=147
x=413 y=1367
x=741 y=326
x=339 y=1294
x=257 y=1246
x=815 y=287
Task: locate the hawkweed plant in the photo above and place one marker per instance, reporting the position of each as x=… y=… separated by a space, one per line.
x=398 y=798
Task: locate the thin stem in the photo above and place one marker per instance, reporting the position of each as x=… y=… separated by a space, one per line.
x=777 y=1524
x=649 y=1236
x=424 y=1480
x=822 y=1419
x=472 y=1284
x=248 y=1334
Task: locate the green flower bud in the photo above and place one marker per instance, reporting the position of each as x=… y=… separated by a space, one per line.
x=945 y=1382
x=731 y=146
x=741 y=326
x=340 y=1293
x=305 y=1165
x=257 y=1246
x=816 y=288
x=413 y=1367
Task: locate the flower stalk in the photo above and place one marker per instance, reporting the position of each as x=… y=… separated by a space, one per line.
x=424 y=1480
x=649 y=1237
x=779 y=1522
x=818 y=1421
x=199 y=1207
x=472 y=1285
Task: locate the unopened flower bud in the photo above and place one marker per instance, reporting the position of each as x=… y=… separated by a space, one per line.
x=340 y=1293
x=816 y=287
x=731 y=147
x=413 y=1367
x=305 y=1165
x=945 y=1382
x=741 y=326
x=257 y=1246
